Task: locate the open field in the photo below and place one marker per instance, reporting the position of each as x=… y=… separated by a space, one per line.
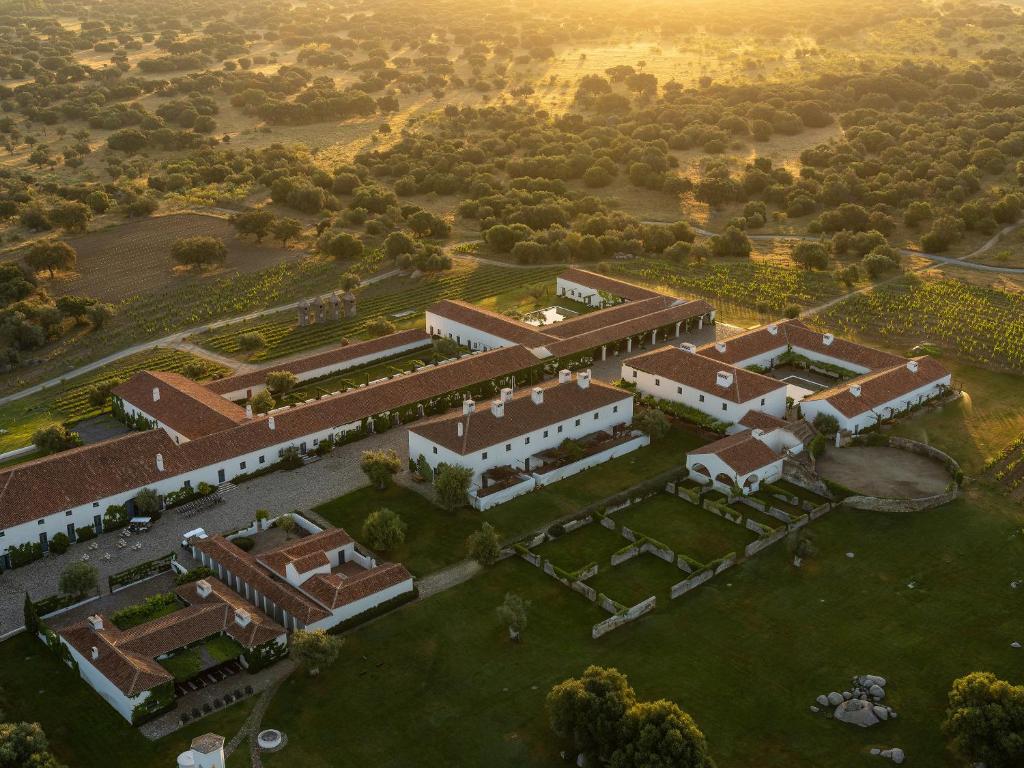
x=69 y=402
x=718 y=651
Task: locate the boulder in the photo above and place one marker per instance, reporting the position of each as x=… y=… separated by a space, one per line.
x=856 y=712
x=814 y=709
x=874 y=751
x=876 y=691
x=895 y=754
x=847 y=695
x=881 y=712
x=823 y=700
x=868 y=680
x=835 y=698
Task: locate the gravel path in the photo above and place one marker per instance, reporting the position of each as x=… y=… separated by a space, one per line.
x=447 y=578
x=277 y=492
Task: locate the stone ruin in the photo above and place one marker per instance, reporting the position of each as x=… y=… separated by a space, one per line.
x=324 y=309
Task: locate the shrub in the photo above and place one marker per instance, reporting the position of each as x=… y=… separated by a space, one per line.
x=85 y=532
x=59 y=544
x=251 y=341
x=195 y=574
x=244 y=543
x=384 y=530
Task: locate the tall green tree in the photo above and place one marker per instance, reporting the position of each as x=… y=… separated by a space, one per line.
x=380 y=467
x=985 y=720
x=587 y=712
x=314 y=649
x=451 y=485
x=658 y=734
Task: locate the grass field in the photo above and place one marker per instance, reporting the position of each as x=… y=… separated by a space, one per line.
x=68 y=402
x=719 y=651
x=637 y=579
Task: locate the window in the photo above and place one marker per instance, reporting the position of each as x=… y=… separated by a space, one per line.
x=634 y=374
x=701 y=398
x=526 y=441
x=762 y=401
x=657 y=382
x=434 y=449
x=559 y=428
x=316 y=441
x=262 y=459
x=508 y=447
x=615 y=409
x=95 y=504
x=596 y=415
x=545 y=433
x=577 y=422
x=40 y=522
x=2 y=534
x=68 y=513
x=483 y=455
x=241 y=465
x=725 y=406
x=679 y=390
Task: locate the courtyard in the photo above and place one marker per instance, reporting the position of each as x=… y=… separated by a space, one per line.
x=888 y=473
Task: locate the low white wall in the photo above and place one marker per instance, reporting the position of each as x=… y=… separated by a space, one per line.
x=591 y=461
x=483 y=503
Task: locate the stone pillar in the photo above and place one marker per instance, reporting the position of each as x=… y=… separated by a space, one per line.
x=700 y=322
x=654 y=337
x=335 y=307
x=629 y=345
x=604 y=352
x=303 y=313
x=678 y=326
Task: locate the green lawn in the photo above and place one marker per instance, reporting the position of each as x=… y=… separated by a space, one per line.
x=434 y=538
x=635 y=580
x=590 y=544
x=465 y=696
x=83 y=730
x=757 y=515
x=184 y=665
x=223 y=648
x=778 y=503
x=687 y=529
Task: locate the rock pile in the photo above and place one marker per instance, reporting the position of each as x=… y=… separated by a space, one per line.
x=861 y=704
x=895 y=754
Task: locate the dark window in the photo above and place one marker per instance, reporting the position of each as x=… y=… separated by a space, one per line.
x=508 y=446
x=657 y=382
x=527 y=441
x=241 y=465
x=483 y=455
x=577 y=422
x=545 y=433
x=262 y=459
x=559 y=427
x=634 y=374
x=435 y=449
x=40 y=522
x=679 y=390
x=702 y=398
x=596 y=414
x=68 y=513
x=725 y=406
x=95 y=503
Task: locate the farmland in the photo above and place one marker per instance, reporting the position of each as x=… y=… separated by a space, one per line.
x=468 y=281
x=69 y=402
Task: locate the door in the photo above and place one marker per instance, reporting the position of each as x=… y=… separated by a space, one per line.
x=220 y=475
x=71 y=531
x=44 y=543
x=97 y=523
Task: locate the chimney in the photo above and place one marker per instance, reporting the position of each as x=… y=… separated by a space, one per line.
x=159 y=462
x=773 y=329
x=912 y=366
x=203 y=588
x=156 y=394
x=758 y=434
x=498 y=408
x=96 y=622
x=242 y=617
x=248 y=410
x=855 y=390
x=94 y=653
x=271 y=423
x=537 y=396
x=720 y=346
x=506 y=394
x=583 y=379
x=724 y=379
x=686 y=346
x=468 y=407
x=564 y=376
x=827 y=339
x=461 y=429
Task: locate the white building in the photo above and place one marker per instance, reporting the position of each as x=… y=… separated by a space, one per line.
x=597 y=290
x=745 y=461
x=722 y=391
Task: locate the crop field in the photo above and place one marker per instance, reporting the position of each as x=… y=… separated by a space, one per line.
x=69 y=402
x=135 y=257
x=467 y=281
x=978 y=324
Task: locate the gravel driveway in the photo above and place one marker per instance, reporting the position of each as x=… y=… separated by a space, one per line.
x=277 y=492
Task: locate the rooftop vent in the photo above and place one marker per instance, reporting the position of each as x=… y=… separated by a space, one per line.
x=94 y=653
x=271 y=423
x=468 y=407
x=686 y=346
x=564 y=376
x=912 y=366
x=96 y=622
x=758 y=433
x=461 y=429
x=506 y=394
x=203 y=588
x=773 y=329
x=583 y=379
x=855 y=390
x=537 y=396
x=827 y=339
x=248 y=410
x=724 y=379
x=156 y=394
x=242 y=617
x=159 y=462
x=498 y=408
x=720 y=346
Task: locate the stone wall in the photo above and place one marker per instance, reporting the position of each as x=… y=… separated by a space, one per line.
x=693 y=582
x=876 y=504
x=763 y=543
x=625 y=554
x=657 y=550
x=631 y=614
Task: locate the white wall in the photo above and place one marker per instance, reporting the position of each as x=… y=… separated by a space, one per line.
x=361 y=606
x=716 y=466
x=465 y=335
x=325 y=370
x=811 y=408
x=773 y=403
x=576 y=467
x=134 y=411
x=110 y=692
x=515 y=451
x=578 y=292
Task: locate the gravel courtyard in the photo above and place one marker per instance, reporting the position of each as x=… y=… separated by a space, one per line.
x=888 y=473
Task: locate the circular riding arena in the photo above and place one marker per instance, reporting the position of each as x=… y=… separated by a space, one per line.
x=888 y=473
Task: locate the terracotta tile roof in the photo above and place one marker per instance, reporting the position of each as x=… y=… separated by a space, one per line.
x=482 y=428
x=592 y=321
x=38 y=488
x=513 y=331
x=607 y=284
x=679 y=312
x=760 y=420
x=881 y=387
x=207 y=743
x=244 y=566
x=701 y=373
x=334 y=357
x=184 y=405
x=337 y=590
x=297 y=552
x=743 y=452
x=65 y=480
x=796 y=333
x=127 y=657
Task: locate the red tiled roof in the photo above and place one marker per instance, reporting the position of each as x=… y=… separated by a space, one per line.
x=513 y=331
x=592 y=321
x=335 y=357
x=482 y=428
x=297 y=552
x=743 y=452
x=881 y=387
x=760 y=420
x=701 y=373
x=610 y=285
x=337 y=590
x=185 y=406
x=129 y=672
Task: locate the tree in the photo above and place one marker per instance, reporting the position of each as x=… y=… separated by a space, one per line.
x=79 y=579
x=315 y=649
x=451 y=485
x=484 y=545
x=512 y=613
x=380 y=326
x=262 y=402
x=256 y=223
x=60 y=543
x=129 y=140
x=380 y=467
x=501 y=238
x=199 y=251
x=98 y=313
x=811 y=255
x=826 y=423
x=985 y=720
x=24 y=745
x=51 y=255
x=384 y=530
x=281 y=382
x=658 y=734
x=732 y=242
x=340 y=245
x=56 y=439
x=588 y=711
x=286 y=229
x=652 y=422
x=287 y=525
x=147 y=502
x=71 y=216
x=397 y=244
